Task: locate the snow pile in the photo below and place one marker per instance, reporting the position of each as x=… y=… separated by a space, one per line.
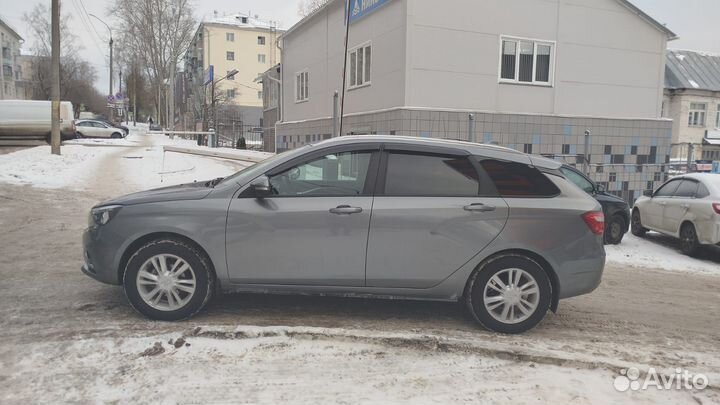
x=38 y=167
x=659 y=252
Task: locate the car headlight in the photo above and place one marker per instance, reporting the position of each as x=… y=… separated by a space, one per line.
x=103 y=215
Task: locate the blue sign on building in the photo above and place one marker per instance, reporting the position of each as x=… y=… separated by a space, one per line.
x=361 y=8
x=209 y=75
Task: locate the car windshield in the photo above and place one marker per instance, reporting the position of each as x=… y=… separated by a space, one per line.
x=262 y=166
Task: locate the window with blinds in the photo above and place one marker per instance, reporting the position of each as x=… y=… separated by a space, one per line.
x=526 y=61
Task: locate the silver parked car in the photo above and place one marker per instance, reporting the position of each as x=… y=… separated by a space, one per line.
x=686 y=207
x=98 y=129
x=370 y=216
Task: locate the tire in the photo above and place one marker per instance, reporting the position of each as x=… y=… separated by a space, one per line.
x=491 y=315
x=174 y=252
x=636 y=224
x=689 y=243
x=615 y=230
x=116 y=135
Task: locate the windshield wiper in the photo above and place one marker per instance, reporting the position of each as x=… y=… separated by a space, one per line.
x=213 y=183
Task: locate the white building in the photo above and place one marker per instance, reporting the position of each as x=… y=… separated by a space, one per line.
x=529 y=74
x=10 y=45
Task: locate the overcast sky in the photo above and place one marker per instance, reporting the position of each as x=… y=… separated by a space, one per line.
x=695 y=21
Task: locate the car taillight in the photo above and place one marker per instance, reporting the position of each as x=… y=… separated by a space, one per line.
x=595 y=220
x=716 y=207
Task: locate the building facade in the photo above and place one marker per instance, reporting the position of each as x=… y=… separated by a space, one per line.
x=270 y=81
x=533 y=75
x=692 y=100
x=10 y=45
x=232 y=42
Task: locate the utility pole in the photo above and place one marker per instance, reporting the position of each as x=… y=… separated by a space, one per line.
x=134 y=93
x=55 y=89
x=120 y=90
x=345 y=58
x=171 y=98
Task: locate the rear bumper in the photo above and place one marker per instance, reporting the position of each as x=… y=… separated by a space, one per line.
x=581 y=275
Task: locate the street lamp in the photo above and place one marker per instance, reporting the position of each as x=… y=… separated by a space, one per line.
x=110 y=92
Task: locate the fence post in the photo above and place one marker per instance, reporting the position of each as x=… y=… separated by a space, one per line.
x=471 y=127
x=335 y=115
x=689 y=156
x=586 y=165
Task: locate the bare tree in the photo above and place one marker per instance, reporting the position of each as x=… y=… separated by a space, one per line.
x=157 y=33
x=307 y=7
x=76 y=75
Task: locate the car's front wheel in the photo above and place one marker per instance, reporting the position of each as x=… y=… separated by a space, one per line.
x=689 y=242
x=168 y=280
x=636 y=225
x=509 y=294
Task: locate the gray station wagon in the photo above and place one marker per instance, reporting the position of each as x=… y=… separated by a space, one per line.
x=367 y=216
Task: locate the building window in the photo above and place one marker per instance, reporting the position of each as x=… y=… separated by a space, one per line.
x=526 y=61
x=230 y=77
x=230 y=55
x=301 y=86
x=696 y=117
x=230 y=36
x=261 y=40
x=261 y=58
x=361 y=66
x=230 y=93
x=717 y=117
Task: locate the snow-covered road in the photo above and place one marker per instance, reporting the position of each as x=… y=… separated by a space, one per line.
x=68 y=339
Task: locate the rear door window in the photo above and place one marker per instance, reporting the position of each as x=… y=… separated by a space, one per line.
x=433 y=175
x=514 y=179
x=687 y=189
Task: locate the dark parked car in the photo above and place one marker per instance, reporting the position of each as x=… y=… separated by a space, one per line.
x=617 y=210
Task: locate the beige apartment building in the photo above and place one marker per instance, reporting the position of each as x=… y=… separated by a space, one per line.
x=692 y=100
x=10 y=45
x=232 y=42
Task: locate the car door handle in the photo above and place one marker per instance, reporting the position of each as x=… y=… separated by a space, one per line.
x=345 y=210
x=479 y=207
x=662 y=203
x=685 y=205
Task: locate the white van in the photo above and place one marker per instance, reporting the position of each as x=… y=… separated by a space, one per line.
x=22 y=120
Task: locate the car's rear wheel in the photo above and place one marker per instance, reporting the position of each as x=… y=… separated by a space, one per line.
x=636 y=225
x=615 y=230
x=509 y=294
x=168 y=280
x=689 y=242
x=116 y=135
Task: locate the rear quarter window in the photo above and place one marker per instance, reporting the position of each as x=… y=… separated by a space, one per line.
x=518 y=180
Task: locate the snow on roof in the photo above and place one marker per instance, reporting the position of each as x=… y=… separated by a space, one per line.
x=692 y=70
x=241 y=20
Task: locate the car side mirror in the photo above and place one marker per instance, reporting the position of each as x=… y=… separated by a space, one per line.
x=260 y=187
x=599 y=188
x=648 y=193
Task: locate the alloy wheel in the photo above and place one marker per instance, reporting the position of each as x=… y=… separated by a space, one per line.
x=511 y=296
x=166 y=282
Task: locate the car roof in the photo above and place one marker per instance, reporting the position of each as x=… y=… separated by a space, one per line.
x=494 y=151
x=711 y=180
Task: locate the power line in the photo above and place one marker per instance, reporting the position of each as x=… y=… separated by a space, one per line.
x=86 y=22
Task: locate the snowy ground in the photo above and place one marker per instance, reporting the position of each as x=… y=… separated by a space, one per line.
x=68 y=339
x=114 y=165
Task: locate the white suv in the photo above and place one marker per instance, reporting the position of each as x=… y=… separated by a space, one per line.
x=686 y=207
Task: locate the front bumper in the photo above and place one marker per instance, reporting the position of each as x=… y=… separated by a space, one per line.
x=98 y=257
